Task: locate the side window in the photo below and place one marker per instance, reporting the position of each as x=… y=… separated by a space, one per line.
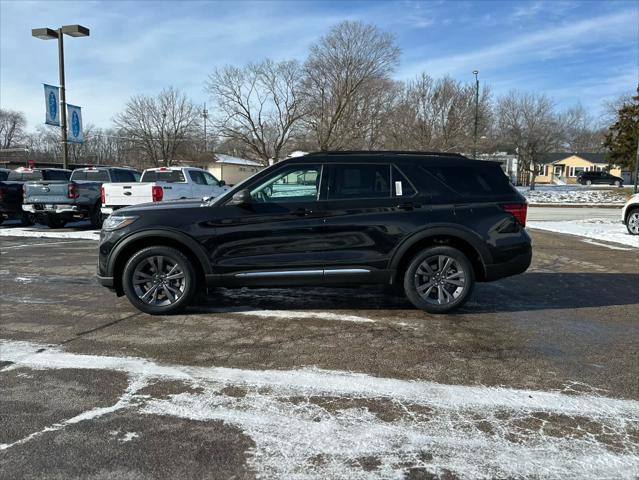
x=473 y=181
x=401 y=186
x=210 y=179
x=296 y=183
x=197 y=177
x=359 y=181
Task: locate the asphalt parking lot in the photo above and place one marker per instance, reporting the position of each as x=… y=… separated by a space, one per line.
x=536 y=377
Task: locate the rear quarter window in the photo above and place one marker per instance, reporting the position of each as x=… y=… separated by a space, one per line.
x=169 y=176
x=480 y=181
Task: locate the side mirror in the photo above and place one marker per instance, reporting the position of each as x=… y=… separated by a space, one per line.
x=221 y=183
x=243 y=197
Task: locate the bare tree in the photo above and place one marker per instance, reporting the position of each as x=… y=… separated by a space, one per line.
x=529 y=123
x=581 y=132
x=439 y=115
x=258 y=105
x=342 y=68
x=12 y=125
x=161 y=125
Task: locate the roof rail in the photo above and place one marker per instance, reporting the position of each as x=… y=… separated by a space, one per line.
x=384 y=152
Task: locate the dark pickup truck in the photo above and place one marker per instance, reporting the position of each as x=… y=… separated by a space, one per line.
x=12 y=185
x=55 y=203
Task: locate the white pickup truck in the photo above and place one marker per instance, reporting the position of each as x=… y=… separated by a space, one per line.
x=158 y=184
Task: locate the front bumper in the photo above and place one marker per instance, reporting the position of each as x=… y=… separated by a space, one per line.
x=105 y=281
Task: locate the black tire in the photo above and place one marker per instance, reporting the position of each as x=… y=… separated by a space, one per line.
x=632 y=221
x=96 y=218
x=617 y=183
x=27 y=219
x=146 y=259
x=454 y=295
x=54 y=221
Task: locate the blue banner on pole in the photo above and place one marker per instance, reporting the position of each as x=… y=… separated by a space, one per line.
x=74 y=121
x=52 y=102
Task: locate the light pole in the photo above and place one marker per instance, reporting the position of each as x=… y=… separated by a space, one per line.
x=476 y=72
x=50 y=34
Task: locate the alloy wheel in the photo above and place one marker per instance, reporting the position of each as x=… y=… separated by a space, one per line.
x=440 y=279
x=633 y=223
x=159 y=281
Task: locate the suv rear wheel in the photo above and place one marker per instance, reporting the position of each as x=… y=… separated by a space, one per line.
x=439 y=279
x=159 y=280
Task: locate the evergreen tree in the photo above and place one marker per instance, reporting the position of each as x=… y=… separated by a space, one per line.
x=623 y=135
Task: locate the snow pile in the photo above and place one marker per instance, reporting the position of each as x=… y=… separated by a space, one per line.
x=595 y=228
x=573 y=195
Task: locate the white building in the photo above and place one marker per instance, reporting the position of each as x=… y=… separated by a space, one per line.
x=232 y=169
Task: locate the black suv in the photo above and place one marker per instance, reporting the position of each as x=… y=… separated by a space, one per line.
x=599 y=178
x=430 y=223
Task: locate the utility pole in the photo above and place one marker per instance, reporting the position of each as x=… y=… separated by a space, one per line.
x=205 y=116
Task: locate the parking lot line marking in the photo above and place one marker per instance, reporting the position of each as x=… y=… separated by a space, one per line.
x=293 y=416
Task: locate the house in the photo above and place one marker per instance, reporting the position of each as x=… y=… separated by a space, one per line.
x=562 y=167
x=232 y=169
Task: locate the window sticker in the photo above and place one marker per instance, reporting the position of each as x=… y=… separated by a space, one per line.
x=398 y=188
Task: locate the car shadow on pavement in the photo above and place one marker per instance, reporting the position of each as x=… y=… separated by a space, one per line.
x=554 y=290
x=531 y=291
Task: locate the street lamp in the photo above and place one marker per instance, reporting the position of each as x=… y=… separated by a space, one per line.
x=476 y=72
x=50 y=34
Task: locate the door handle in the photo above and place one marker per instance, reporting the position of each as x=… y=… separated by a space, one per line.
x=406 y=206
x=302 y=212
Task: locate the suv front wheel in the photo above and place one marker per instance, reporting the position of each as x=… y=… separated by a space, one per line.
x=159 y=280
x=439 y=279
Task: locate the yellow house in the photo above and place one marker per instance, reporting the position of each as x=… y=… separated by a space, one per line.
x=566 y=167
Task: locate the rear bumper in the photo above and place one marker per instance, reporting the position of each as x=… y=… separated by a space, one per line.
x=36 y=208
x=515 y=265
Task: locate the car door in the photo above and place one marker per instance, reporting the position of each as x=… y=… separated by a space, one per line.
x=369 y=209
x=276 y=235
x=199 y=188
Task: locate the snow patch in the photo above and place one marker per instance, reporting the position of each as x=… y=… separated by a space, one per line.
x=595 y=228
x=293 y=315
x=312 y=423
x=37 y=232
x=574 y=195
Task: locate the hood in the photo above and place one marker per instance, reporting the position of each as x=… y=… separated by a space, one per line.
x=160 y=206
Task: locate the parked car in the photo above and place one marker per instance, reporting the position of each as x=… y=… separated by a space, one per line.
x=57 y=202
x=431 y=224
x=599 y=178
x=161 y=184
x=12 y=190
x=630 y=215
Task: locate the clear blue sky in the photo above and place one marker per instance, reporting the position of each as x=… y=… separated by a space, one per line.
x=574 y=51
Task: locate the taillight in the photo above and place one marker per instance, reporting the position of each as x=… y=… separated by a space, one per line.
x=517 y=210
x=157 y=193
x=73 y=192
x=102 y=196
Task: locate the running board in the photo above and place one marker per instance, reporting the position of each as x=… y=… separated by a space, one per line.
x=303 y=273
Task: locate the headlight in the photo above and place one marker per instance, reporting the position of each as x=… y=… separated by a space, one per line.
x=115 y=222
